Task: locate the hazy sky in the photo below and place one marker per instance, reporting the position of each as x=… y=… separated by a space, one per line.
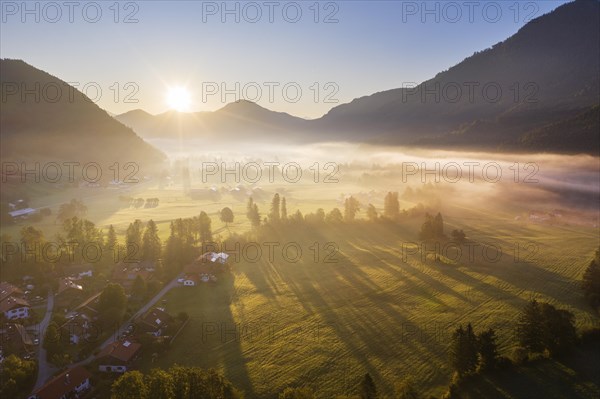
x=346 y=50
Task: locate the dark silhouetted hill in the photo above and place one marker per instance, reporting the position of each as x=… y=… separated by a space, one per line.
x=52 y=121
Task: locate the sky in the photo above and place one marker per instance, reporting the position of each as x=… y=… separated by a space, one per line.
x=302 y=57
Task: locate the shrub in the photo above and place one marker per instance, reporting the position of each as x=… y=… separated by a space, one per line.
x=520 y=355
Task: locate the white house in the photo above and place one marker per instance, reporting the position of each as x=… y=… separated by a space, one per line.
x=22 y=212
x=191 y=280
x=15 y=308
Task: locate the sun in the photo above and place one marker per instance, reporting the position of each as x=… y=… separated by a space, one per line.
x=179 y=98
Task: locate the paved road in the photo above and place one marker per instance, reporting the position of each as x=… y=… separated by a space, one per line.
x=124 y=326
x=45 y=370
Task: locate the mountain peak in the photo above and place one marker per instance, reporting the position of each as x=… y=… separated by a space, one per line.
x=241 y=106
x=136 y=112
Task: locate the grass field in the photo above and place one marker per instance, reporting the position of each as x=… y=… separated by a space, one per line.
x=275 y=323
x=383 y=307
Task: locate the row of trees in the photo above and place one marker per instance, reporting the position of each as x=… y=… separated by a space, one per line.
x=540 y=327
x=278 y=212
x=176 y=382
x=193 y=382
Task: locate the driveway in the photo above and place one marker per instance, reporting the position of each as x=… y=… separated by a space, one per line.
x=45 y=370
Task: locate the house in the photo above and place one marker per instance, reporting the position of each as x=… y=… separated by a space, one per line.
x=205 y=268
x=125 y=274
x=22 y=213
x=154 y=322
x=80 y=327
x=67 y=284
x=68 y=292
x=191 y=280
x=89 y=307
x=12 y=303
x=220 y=257
x=7 y=290
x=15 y=308
x=72 y=383
x=205 y=193
x=14 y=339
x=117 y=356
x=77 y=272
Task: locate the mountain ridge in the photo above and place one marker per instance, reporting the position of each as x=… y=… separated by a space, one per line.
x=63 y=126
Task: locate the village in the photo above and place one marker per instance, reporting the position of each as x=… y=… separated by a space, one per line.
x=67 y=319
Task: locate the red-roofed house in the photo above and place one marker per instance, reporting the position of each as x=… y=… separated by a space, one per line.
x=117 y=356
x=15 y=308
x=154 y=322
x=72 y=383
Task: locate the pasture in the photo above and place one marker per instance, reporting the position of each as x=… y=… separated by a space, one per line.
x=275 y=323
x=381 y=304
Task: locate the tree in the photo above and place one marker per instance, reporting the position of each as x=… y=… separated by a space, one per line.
x=438 y=225
x=226 y=216
x=297 y=217
x=284 y=214
x=297 y=393
x=111 y=239
x=371 y=213
x=559 y=333
x=274 y=214
x=427 y=228
x=432 y=228
x=252 y=213
x=488 y=349
x=75 y=208
x=160 y=385
x=151 y=245
x=591 y=282
x=334 y=216
x=391 y=206
x=351 y=207
x=176 y=382
x=52 y=340
x=368 y=390
x=529 y=331
x=458 y=236
x=463 y=350
x=130 y=385
x=111 y=304
x=32 y=240
x=134 y=240
x=138 y=289
x=204 y=227
x=16 y=375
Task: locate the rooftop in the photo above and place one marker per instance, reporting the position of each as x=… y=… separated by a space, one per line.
x=63 y=383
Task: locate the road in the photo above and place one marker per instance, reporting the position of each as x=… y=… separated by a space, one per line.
x=123 y=327
x=45 y=370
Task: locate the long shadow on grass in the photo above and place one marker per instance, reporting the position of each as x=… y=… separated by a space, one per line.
x=212 y=338
x=369 y=329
